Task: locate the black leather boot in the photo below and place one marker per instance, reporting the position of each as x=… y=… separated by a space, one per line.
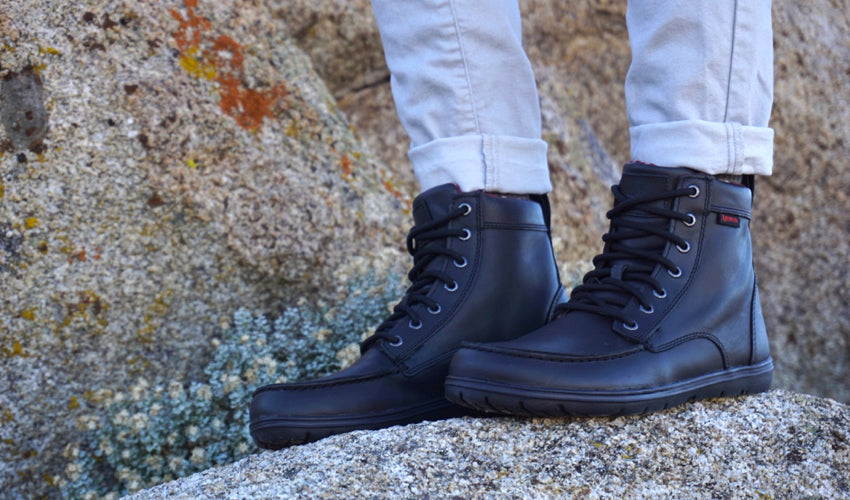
x=484 y=270
x=669 y=314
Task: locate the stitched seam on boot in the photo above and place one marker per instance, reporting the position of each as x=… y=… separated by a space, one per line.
x=753 y=320
x=693 y=336
x=444 y=358
x=475 y=263
x=518 y=227
x=306 y=386
x=734 y=211
x=556 y=358
x=554 y=302
x=646 y=338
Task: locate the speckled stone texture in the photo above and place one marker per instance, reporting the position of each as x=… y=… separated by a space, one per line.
x=774 y=445
x=580 y=53
x=161 y=165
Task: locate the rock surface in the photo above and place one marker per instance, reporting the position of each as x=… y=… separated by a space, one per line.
x=161 y=165
x=774 y=445
x=580 y=53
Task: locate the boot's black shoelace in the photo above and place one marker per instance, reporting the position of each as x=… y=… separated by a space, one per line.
x=425 y=243
x=634 y=246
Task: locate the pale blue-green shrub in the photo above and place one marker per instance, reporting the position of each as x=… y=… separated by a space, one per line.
x=154 y=433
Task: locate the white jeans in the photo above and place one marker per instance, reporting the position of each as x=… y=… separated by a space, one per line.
x=698 y=92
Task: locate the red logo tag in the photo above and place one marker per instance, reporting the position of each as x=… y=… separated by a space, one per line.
x=729 y=220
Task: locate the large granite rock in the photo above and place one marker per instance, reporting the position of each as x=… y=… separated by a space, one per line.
x=161 y=165
x=580 y=53
x=774 y=445
x=803 y=234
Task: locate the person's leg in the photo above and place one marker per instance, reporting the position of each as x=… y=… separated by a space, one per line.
x=700 y=87
x=671 y=311
x=483 y=265
x=465 y=93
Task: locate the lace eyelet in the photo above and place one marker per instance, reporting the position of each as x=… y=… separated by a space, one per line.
x=436 y=310
x=466 y=235
x=660 y=295
x=397 y=342
x=466 y=207
x=452 y=288
x=685 y=249
x=414 y=326
x=647 y=311
x=690 y=221
x=694 y=190
x=462 y=263
x=631 y=327
x=675 y=274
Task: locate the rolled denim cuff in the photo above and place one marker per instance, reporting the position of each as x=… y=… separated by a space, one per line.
x=501 y=164
x=710 y=147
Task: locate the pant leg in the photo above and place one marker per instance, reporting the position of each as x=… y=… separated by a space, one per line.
x=465 y=93
x=700 y=87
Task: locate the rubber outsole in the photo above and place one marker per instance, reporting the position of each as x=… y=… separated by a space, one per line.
x=279 y=432
x=494 y=397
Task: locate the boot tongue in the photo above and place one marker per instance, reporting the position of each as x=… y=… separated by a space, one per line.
x=640 y=180
x=434 y=203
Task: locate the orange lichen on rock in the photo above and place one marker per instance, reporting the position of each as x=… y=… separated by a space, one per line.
x=191 y=28
x=346 y=165
x=399 y=195
x=207 y=56
x=77 y=256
